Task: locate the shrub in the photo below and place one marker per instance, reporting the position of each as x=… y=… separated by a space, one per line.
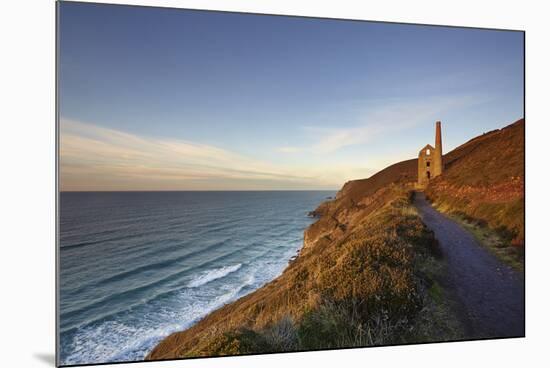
x=338 y=324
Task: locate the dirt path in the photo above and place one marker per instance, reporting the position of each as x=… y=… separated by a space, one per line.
x=490 y=293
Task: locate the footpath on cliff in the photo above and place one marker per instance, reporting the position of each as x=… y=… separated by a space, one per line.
x=489 y=293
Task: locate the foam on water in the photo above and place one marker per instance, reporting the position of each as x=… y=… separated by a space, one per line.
x=118 y=340
x=122 y=294
x=211 y=275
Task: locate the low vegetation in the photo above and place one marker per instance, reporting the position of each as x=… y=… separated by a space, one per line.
x=370 y=272
x=373 y=284
x=483 y=188
x=498 y=242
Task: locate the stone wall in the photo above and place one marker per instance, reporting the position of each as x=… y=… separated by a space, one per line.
x=425 y=165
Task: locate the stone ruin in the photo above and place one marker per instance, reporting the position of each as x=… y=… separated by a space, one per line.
x=430 y=160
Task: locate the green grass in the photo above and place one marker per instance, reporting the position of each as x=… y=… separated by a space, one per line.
x=436 y=292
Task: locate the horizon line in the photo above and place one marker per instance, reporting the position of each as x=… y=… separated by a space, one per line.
x=197 y=190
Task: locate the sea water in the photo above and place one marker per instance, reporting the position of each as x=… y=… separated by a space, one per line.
x=137 y=266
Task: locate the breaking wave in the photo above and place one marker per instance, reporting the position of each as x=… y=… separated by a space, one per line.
x=211 y=275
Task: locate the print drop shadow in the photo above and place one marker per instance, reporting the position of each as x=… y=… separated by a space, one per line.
x=47 y=358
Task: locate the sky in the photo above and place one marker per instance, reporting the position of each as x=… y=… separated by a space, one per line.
x=166 y=99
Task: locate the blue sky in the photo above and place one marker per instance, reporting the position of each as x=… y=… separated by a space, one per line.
x=163 y=99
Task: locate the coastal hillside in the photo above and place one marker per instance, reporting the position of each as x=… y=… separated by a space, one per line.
x=484 y=183
x=369 y=270
x=361 y=282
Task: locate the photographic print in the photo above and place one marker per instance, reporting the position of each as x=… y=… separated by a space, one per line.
x=234 y=183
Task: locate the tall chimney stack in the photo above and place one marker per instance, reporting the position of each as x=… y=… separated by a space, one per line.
x=438 y=137
x=438 y=154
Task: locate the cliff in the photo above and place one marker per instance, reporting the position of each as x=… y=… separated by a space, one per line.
x=356 y=283
x=356 y=199
x=369 y=269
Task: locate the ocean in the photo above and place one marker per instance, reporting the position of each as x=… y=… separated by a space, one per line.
x=137 y=266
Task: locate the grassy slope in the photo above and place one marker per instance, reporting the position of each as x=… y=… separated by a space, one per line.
x=483 y=186
x=368 y=272
x=363 y=287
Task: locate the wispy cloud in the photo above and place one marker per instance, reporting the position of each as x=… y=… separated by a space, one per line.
x=383 y=118
x=97 y=158
x=289 y=149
